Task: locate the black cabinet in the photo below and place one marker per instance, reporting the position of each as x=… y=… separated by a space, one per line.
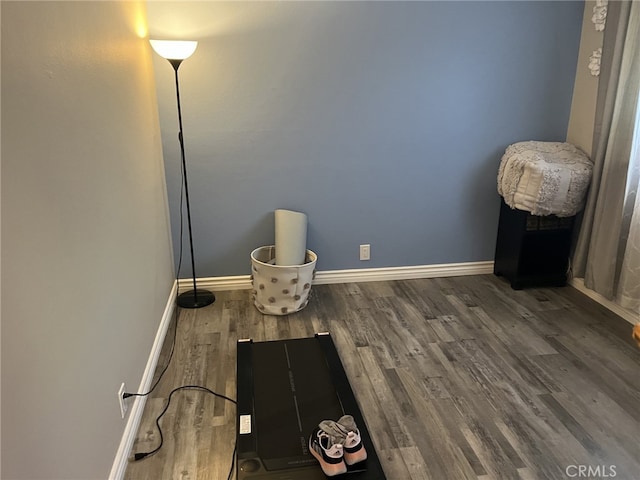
x=532 y=251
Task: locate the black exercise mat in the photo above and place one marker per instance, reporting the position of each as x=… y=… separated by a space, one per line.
x=285 y=388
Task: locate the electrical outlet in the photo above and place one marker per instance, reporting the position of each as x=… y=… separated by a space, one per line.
x=122 y=401
x=365 y=252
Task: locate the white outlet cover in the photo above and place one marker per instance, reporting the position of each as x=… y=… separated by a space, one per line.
x=121 y=401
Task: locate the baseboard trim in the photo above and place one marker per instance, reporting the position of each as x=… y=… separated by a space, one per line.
x=403 y=273
x=238 y=282
x=578 y=284
x=137 y=409
x=242 y=282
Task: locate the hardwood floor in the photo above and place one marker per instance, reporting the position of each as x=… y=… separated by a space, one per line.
x=458 y=378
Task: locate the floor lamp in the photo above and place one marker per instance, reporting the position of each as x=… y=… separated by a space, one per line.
x=176 y=52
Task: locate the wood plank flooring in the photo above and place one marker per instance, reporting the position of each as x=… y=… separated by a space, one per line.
x=458 y=378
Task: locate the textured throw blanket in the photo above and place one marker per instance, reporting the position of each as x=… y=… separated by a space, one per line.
x=544 y=178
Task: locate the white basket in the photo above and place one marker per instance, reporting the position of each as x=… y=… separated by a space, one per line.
x=280 y=289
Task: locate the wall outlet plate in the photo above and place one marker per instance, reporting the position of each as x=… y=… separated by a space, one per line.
x=365 y=252
x=122 y=401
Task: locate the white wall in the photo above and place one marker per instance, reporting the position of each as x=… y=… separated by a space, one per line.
x=86 y=255
x=585 y=90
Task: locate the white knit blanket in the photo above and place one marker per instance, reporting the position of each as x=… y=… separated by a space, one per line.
x=544 y=178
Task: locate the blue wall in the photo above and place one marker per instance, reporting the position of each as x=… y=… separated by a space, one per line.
x=384 y=122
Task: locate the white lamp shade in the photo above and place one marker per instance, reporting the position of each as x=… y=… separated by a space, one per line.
x=174 y=49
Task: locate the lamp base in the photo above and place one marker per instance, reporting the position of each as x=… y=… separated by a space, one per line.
x=196 y=299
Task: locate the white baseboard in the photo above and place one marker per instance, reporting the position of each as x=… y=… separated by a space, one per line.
x=237 y=282
x=578 y=284
x=403 y=273
x=241 y=282
x=133 y=422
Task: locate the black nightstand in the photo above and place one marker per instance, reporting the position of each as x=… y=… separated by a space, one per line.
x=532 y=251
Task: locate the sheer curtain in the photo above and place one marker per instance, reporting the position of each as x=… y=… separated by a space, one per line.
x=607 y=251
x=629 y=289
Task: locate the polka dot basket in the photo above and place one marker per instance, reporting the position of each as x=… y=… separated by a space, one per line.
x=280 y=289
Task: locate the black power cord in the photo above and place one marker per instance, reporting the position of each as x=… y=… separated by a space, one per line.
x=141 y=455
x=173 y=345
x=175 y=307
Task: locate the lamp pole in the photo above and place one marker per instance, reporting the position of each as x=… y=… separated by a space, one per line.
x=196 y=298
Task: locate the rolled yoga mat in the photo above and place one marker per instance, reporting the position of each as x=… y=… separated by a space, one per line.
x=291 y=237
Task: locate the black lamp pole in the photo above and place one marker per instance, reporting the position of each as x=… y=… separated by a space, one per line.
x=193 y=298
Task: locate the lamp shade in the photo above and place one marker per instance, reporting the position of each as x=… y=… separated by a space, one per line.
x=174 y=49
